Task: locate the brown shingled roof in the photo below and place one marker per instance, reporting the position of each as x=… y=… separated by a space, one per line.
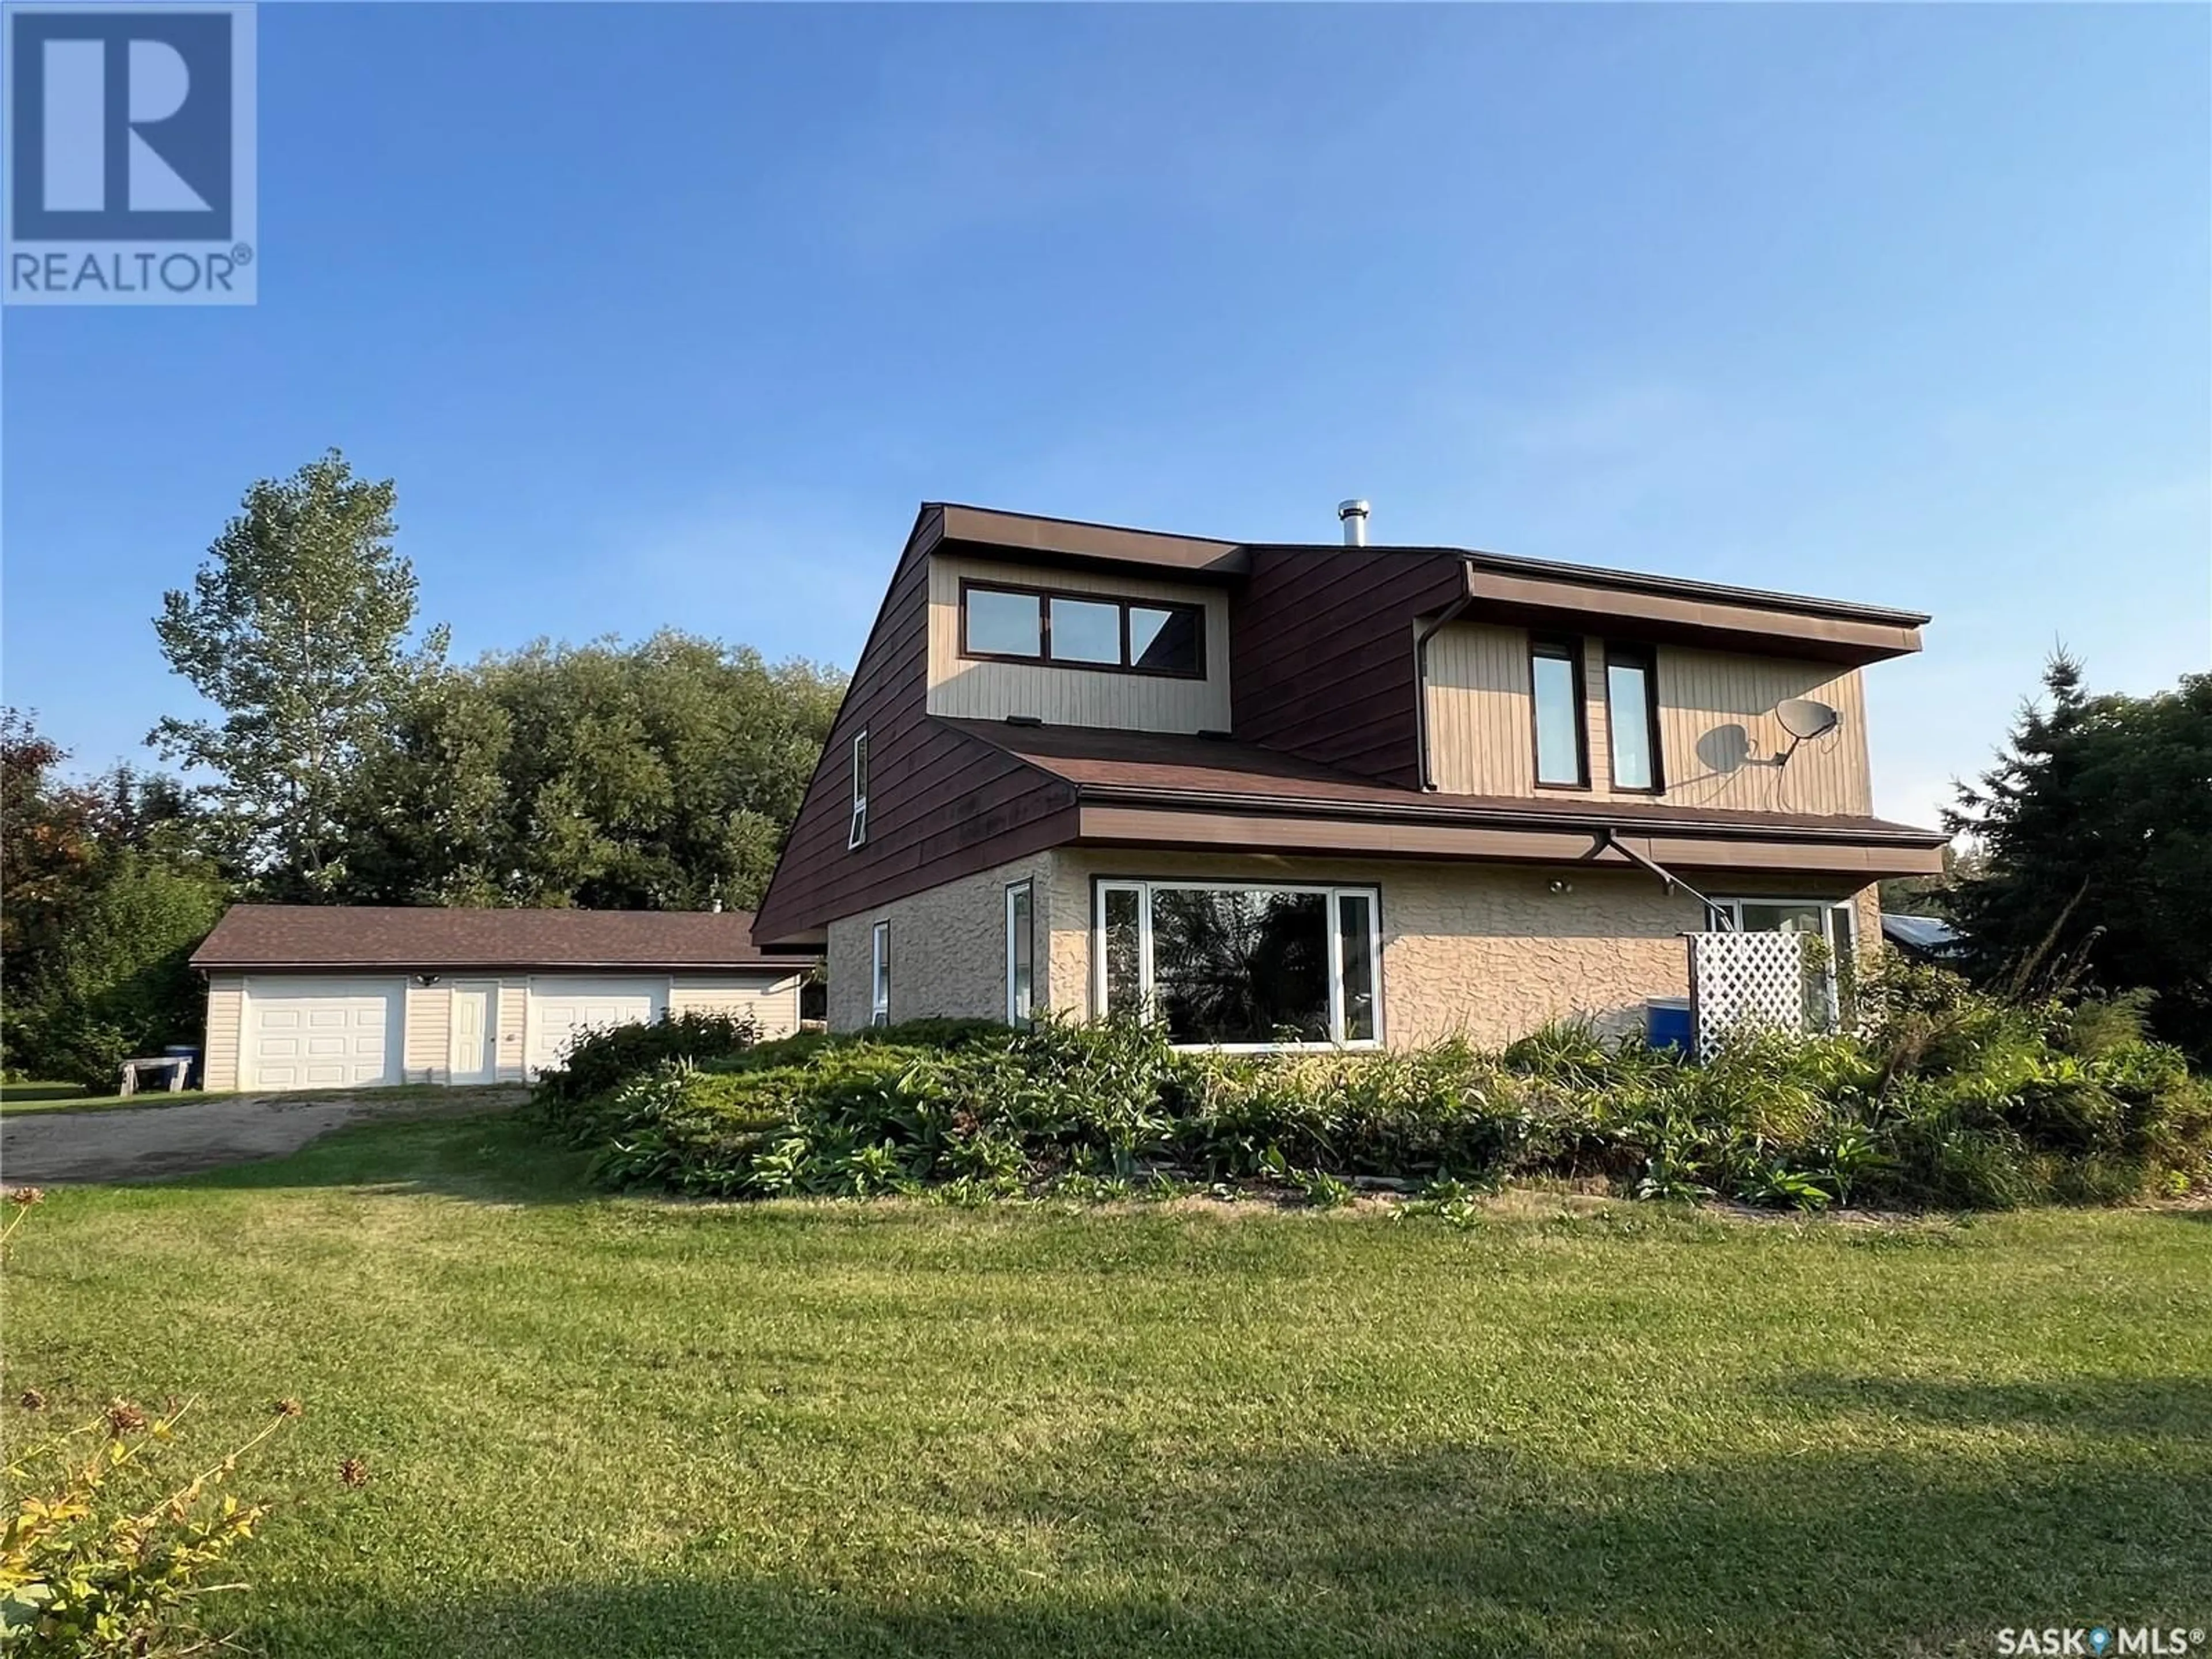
x=265 y=936
x=1171 y=770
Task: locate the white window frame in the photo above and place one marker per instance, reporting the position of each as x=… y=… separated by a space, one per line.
x=1729 y=912
x=1331 y=894
x=857 y=834
x=880 y=974
x=1016 y=1014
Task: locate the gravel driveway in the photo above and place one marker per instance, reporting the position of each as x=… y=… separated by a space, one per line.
x=142 y=1143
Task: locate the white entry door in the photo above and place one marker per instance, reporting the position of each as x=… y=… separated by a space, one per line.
x=320 y=1033
x=563 y=1006
x=474 y=1057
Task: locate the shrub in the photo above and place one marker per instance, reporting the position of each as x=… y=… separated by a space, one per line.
x=1944 y=1098
x=600 y=1062
x=119 y=983
x=103 y=1551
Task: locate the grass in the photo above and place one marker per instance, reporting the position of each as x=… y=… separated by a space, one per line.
x=17 y=1099
x=626 y=1427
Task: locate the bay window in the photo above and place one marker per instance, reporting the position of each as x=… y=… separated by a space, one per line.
x=1239 y=965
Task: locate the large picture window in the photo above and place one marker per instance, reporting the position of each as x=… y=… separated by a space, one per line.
x=1240 y=966
x=1083 y=630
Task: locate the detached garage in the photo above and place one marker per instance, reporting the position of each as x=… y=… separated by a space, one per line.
x=303 y=996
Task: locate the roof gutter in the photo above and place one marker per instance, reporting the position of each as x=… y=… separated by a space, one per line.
x=1426 y=632
x=1417 y=811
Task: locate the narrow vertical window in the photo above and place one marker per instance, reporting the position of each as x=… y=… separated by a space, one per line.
x=1631 y=718
x=1122 y=967
x=859 y=832
x=880 y=976
x=1556 y=679
x=1355 y=921
x=1021 y=954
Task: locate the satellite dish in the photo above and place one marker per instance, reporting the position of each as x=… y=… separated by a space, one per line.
x=1803 y=719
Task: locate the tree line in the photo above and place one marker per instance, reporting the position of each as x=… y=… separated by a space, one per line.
x=345 y=759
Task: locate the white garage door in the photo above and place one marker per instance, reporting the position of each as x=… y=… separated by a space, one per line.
x=319 y=1033
x=562 y=1007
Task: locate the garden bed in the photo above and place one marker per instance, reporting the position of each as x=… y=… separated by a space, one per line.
x=1945 y=1099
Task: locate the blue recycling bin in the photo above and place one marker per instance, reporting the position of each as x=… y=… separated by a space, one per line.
x=1668 y=1023
x=187 y=1051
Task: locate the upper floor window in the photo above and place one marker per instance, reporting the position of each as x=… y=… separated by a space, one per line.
x=1083 y=630
x=1556 y=675
x=1631 y=704
x=859 y=832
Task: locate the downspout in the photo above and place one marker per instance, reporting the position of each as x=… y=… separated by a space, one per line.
x=1444 y=618
x=1606 y=838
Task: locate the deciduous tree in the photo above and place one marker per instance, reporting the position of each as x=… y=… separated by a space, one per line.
x=657 y=775
x=298 y=628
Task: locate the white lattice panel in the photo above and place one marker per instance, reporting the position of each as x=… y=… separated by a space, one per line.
x=1743 y=982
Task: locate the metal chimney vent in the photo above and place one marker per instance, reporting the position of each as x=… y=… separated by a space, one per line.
x=1352 y=515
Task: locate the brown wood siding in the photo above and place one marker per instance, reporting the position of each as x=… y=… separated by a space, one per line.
x=1322 y=654
x=941 y=804
x=1718 y=738
x=1065 y=693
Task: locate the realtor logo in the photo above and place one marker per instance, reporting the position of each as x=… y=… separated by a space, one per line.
x=130 y=155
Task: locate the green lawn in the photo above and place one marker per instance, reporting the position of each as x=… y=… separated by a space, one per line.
x=18 y=1098
x=620 y=1427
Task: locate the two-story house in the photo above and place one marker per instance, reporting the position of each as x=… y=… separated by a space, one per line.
x=1332 y=793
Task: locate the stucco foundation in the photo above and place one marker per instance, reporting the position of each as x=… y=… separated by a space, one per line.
x=948 y=949
x=1487 y=951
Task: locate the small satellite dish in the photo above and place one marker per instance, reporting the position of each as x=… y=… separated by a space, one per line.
x=1803 y=718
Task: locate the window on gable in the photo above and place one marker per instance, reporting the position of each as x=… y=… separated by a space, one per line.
x=1631 y=704
x=1556 y=679
x=1230 y=965
x=1083 y=630
x=997 y=622
x=858 y=832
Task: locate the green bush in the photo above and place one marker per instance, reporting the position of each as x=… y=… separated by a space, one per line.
x=119 y=984
x=600 y=1061
x=1948 y=1099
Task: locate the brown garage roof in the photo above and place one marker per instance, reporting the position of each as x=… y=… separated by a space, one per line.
x=1174 y=770
x=311 y=936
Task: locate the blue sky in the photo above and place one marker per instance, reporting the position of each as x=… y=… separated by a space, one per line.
x=671 y=315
